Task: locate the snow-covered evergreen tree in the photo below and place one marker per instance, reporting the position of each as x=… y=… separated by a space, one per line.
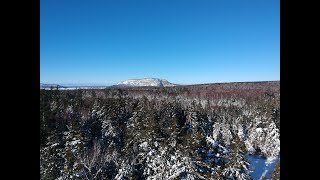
x=51 y=157
x=74 y=145
x=236 y=167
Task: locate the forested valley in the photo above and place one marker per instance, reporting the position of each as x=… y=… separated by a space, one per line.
x=182 y=132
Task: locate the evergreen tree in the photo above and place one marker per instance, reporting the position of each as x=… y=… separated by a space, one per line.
x=75 y=143
x=236 y=166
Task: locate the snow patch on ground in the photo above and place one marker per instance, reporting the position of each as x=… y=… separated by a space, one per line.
x=261 y=166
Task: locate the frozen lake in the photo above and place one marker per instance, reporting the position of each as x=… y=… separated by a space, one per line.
x=261 y=166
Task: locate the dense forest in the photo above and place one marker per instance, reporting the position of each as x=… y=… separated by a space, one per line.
x=182 y=132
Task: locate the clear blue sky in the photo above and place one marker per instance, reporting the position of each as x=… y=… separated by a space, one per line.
x=183 y=41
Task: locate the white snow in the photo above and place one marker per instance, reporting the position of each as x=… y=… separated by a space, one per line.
x=259 y=130
x=263 y=174
x=75 y=142
x=147 y=82
x=143 y=145
x=261 y=166
x=55 y=144
x=211 y=141
x=270 y=160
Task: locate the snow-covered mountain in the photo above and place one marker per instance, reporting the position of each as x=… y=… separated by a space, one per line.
x=146 y=82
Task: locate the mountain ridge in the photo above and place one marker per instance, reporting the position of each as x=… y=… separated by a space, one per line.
x=146 y=82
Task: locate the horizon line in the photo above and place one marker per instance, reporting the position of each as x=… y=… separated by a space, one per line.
x=110 y=84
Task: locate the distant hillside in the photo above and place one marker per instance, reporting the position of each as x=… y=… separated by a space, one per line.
x=50 y=86
x=146 y=82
